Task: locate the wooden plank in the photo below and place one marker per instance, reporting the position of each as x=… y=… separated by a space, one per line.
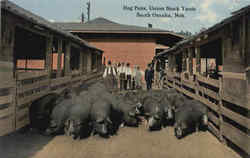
x=213 y=106
x=214 y=130
x=210 y=93
x=31 y=98
x=28 y=87
x=235 y=100
x=75 y=72
x=244 y=121
x=30 y=75
x=59 y=90
x=188 y=83
x=7 y=111
x=59 y=81
x=234 y=75
x=8 y=84
x=213 y=118
x=5 y=99
x=209 y=81
x=239 y=138
x=7 y=124
x=22 y=118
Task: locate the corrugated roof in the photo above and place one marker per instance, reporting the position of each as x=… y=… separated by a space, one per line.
x=104 y=25
x=29 y=16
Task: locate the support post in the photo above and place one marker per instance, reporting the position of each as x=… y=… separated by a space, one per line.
x=59 y=59
x=198 y=60
x=220 y=109
x=67 y=59
x=81 y=62
x=48 y=61
x=89 y=62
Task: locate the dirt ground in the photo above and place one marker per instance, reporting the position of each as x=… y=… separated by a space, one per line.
x=129 y=143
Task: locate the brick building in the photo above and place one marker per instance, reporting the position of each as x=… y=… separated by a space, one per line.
x=123 y=43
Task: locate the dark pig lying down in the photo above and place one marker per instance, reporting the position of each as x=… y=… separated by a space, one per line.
x=192 y=115
x=41 y=109
x=153 y=113
x=124 y=112
x=100 y=117
x=78 y=119
x=59 y=116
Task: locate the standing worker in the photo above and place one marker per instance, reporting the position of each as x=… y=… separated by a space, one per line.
x=128 y=77
x=109 y=77
x=122 y=76
x=138 y=78
x=118 y=75
x=149 y=76
x=133 y=77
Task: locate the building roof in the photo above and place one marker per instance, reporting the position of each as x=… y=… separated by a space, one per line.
x=29 y=16
x=101 y=24
x=235 y=15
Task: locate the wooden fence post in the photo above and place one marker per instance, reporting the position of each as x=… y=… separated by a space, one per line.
x=67 y=59
x=196 y=86
x=220 y=109
x=59 y=58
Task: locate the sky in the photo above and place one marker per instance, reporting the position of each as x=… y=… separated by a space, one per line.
x=203 y=13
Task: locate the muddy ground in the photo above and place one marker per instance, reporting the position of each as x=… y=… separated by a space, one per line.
x=129 y=143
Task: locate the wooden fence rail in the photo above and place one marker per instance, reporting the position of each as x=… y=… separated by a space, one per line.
x=213 y=99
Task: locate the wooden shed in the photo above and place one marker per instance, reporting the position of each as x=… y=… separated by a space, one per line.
x=37 y=58
x=213 y=67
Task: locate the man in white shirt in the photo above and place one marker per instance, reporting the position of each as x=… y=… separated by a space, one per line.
x=128 y=73
x=122 y=76
x=118 y=74
x=109 y=76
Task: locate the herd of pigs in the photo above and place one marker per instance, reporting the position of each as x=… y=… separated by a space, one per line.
x=95 y=110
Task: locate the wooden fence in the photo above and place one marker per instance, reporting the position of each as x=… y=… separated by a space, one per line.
x=224 y=123
x=17 y=96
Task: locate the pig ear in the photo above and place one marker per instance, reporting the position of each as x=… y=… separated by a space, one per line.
x=99 y=120
x=139 y=105
x=131 y=113
x=109 y=121
x=157 y=117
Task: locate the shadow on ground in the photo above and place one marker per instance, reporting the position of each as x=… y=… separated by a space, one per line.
x=22 y=144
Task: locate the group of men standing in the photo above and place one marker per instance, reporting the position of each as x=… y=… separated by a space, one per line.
x=122 y=77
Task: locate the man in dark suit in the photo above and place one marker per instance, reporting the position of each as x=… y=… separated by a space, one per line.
x=149 y=77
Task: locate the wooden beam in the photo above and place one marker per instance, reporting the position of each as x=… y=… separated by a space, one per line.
x=30 y=75
x=243 y=121
x=59 y=58
x=48 y=61
x=234 y=75
x=209 y=81
x=239 y=138
x=67 y=59
x=89 y=61
x=235 y=100
x=81 y=62
x=209 y=39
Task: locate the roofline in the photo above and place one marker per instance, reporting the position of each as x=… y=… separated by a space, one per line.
x=50 y=26
x=124 y=32
x=236 y=15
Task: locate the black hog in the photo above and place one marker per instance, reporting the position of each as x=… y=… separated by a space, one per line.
x=201 y=109
x=189 y=117
x=100 y=117
x=153 y=113
x=59 y=115
x=78 y=119
x=41 y=109
x=124 y=112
